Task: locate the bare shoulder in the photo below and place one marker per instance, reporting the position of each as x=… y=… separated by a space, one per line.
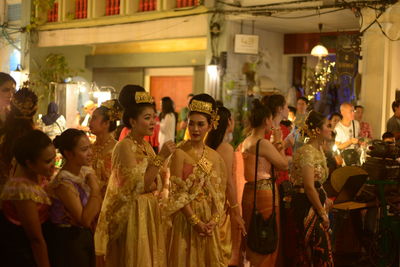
x=225 y=148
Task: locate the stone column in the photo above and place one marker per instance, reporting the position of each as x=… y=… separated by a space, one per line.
x=379 y=68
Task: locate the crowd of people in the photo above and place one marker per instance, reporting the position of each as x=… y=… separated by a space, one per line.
x=137 y=198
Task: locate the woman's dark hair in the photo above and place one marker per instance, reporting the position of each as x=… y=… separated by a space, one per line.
x=68 y=140
x=273 y=102
x=335 y=114
x=25 y=149
x=315 y=120
x=304 y=99
x=18 y=122
x=205 y=98
x=395 y=104
x=131 y=108
x=110 y=113
x=216 y=136
x=5 y=77
x=258 y=114
x=387 y=135
x=167 y=106
x=292 y=109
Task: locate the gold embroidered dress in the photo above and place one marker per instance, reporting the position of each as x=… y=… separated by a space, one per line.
x=201 y=185
x=315 y=246
x=102 y=156
x=130 y=231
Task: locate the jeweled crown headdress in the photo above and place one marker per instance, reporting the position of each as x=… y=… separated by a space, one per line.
x=205 y=107
x=143 y=97
x=114 y=111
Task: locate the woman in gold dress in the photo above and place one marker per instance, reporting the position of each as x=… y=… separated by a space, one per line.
x=130 y=231
x=231 y=224
x=310 y=203
x=102 y=124
x=197 y=193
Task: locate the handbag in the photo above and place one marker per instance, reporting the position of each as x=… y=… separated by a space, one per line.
x=351 y=156
x=262 y=236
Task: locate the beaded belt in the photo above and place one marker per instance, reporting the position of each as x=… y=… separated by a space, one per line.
x=263 y=184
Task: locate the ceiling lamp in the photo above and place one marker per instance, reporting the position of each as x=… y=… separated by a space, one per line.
x=319 y=50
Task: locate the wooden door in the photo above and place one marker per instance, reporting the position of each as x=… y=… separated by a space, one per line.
x=176 y=87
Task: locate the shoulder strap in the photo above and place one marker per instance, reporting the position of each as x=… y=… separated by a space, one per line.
x=273 y=188
x=354 y=129
x=255 y=173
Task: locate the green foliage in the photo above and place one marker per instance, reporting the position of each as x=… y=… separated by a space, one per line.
x=55 y=69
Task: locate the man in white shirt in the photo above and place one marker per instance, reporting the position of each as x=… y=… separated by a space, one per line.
x=348 y=129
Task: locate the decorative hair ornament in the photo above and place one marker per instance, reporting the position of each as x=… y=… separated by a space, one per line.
x=205 y=107
x=308 y=130
x=143 y=97
x=113 y=111
x=25 y=106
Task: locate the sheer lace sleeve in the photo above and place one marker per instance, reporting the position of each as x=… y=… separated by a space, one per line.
x=126 y=182
x=23 y=189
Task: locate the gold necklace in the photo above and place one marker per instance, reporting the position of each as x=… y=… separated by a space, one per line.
x=99 y=148
x=142 y=146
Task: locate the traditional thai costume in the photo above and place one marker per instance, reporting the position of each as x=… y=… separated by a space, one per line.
x=315 y=247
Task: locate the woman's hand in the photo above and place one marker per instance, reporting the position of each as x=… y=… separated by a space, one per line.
x=325 y=222
x=167 y=149
x=91 y=181
x=202 y=229
x=235 y=216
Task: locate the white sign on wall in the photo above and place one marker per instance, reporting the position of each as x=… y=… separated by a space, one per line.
x=246 y=44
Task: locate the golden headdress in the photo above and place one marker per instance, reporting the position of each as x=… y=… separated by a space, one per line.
x=143 y=97
x=205 y=107
x=114 y=110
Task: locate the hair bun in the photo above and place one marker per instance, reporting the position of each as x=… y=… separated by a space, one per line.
x=57 y=141
x=256 y=103
x=127 y=95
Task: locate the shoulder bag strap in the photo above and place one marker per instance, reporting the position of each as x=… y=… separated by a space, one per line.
x=273 y=188
x=255 y=174
x=354 y=129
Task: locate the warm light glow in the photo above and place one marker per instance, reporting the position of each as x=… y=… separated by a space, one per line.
x=212 y=71
x=319 y=51
x=102 y=97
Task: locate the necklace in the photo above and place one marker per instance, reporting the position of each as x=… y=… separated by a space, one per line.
x=98 y=148
x=142 y=146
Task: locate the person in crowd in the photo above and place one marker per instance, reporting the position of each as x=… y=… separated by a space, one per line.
x=393 y=124
x=301 y=111
x=197 y=193
x=334 y=118
x=292 y=113
x=365 y=128
x=7 y=89
x=347 y=134
x=388 y=137
x=88 y=108
x=102 y=124
x=168 y=119
x=269 y=157
x=310 y=203
x=279 y=134
x=26 y=204
x=18 y=122
x=76 y=203
x=126 y=93
x=218 y=139
x=130 y=227
x=52 y=123
x=182 y=120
